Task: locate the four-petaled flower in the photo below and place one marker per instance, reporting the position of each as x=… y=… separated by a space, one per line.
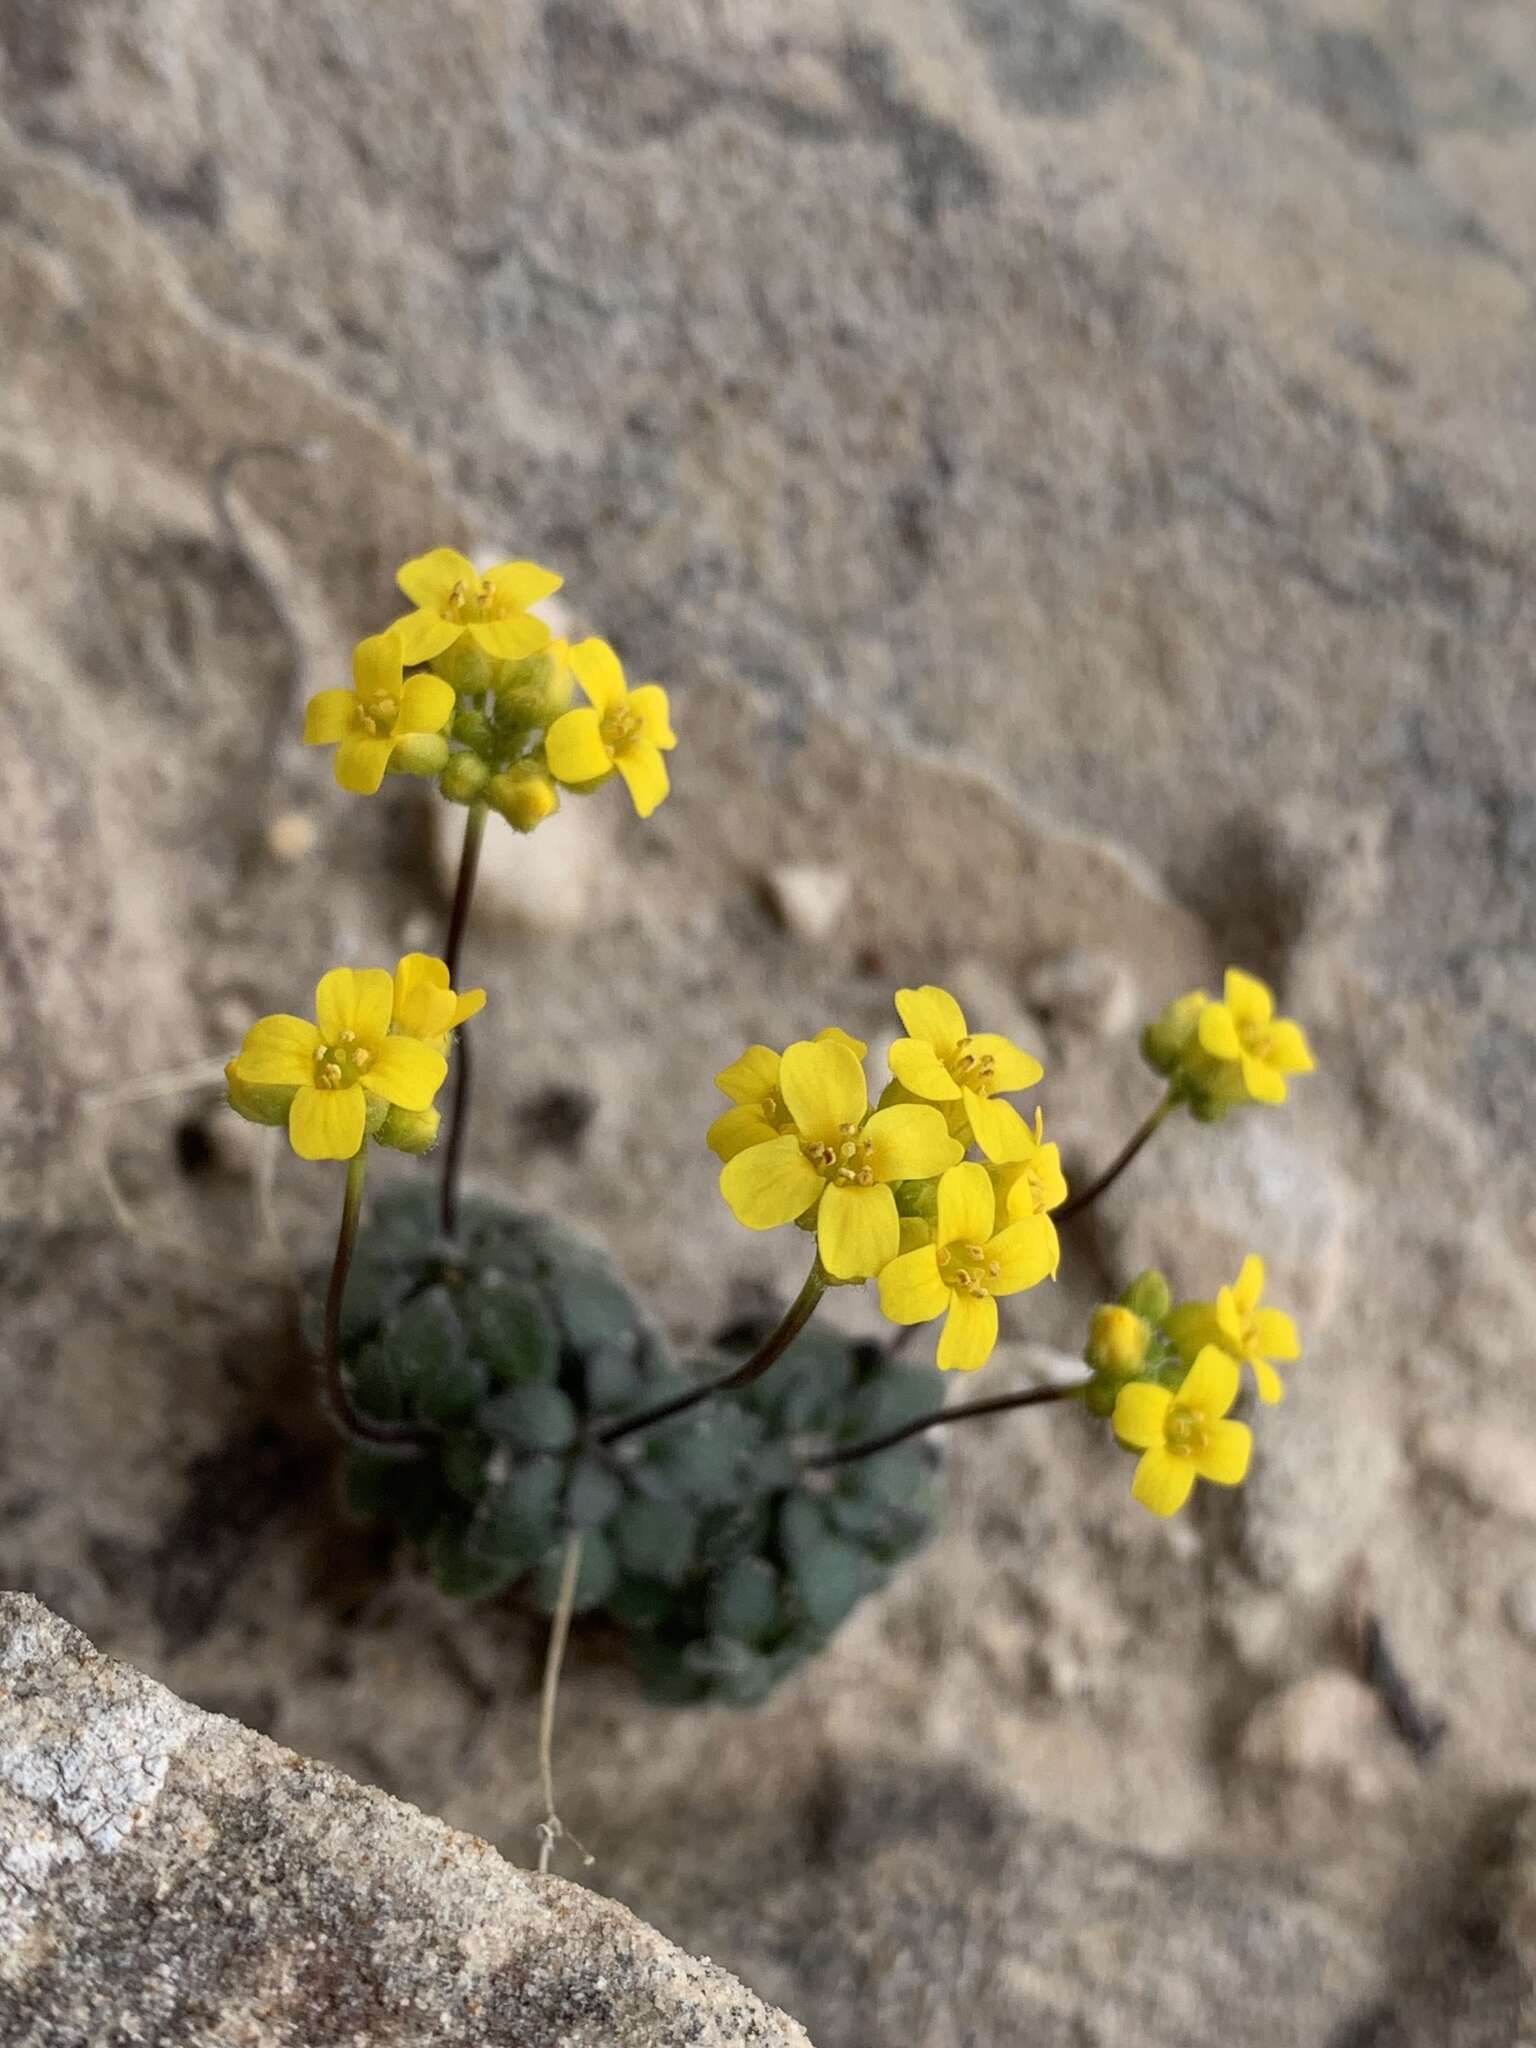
x=1034 y=1184
x=968 y=1264
x=425 y=1006
x=940 y=1061
x=837 y=1161
x=1183 y=1436
x=453 y=598
x=336 y=1065
x=1236 y=1322
x=1251 y=1042
x=366 y=723
x=752 y=1083
x=618 y=728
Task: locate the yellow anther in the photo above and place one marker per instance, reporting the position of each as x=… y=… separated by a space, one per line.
x=994 y=1268
x=866 y=1178
x=975 y=1251
x=848 y=1151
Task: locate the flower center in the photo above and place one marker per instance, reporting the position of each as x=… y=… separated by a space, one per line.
x=377 y=715
x=471 y=604
x=847 y=1161
x=1187 y=1431
x=967 y=1269
x=1256 y=1040
x=343 y=1063
x=976 y=1071
x=621 y=728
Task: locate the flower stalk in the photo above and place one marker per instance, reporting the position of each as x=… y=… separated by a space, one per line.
x=387 y=1436
x=1084 y=1198
x=453 y=946
x=966 y=1411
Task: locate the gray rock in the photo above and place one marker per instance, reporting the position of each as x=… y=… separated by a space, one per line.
x=166 y=1876
x=1084 y=994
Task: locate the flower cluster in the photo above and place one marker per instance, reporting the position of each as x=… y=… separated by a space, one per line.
x=1166 y=1377
x=1215 y=1055
x=369 y=1066
x=491 y=716
x=888 y=1192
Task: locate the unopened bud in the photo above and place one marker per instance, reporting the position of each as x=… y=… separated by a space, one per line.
x=465 y=665
x=409 y=1130
x=257 y=1101
x=524 y=795
x=1148 y=1296
x=464 y=778
x=1118 y=1340
x=419 y=753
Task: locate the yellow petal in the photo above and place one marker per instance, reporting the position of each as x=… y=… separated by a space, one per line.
x=1141 y=1414
x=360 y=762
x=1276 y=1334
x=770 y=1184
x=858 y=1232
x=645 y=775
x=1229 y=1324
x=510 y=639
x=574 y=748
x=406 y=1073
x=969 y=1333
x=376 y=666
x=278 y=1051
x=933 y=1014
x=426 y=705
x=1025 y=1254
x=967 y=1206
x=358 y=1000
x=1217 y=1032
x=326 y=1123
x=428 y=580
x=649 y=704
x=424 y=635
x=1288 y=1048
x=1162 y=1482
x=1249 y=1284
x=823 y=1088
x=1012 y=1067
x=416 y=973
x=1191 y=1326
x=998 y=1128
x=468 y=1003
x=1052 y=1182
x=1210 y=1384
x=1269 y=1383
x=328 y=717
x=910 y=1288
x=1248 y=999
x=1225 y=1457
x=753 y=1076
x=831 y=1035
x=738 y=1128
x=597 y=669
x=921 y=1072
x=1262 y=1081
x=910 y=1141
x=521 y=584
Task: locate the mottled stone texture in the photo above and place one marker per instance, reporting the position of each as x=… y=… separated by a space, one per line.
x=1073 y=464
x=168 y=1877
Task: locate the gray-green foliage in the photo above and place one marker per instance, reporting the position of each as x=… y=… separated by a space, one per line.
x=702 y=1538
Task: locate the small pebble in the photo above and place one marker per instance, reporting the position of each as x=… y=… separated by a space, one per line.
x=1085 y=994
x=291 y=836
x=809 y=900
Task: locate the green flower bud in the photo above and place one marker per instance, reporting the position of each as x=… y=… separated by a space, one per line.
x=375 y=1111
x=465 y=665
x=258 y=1102
x=1148 y=1296
x=409 y=1130
x=474 y=729
x=1099 y=1397
x=523 y=794
x=419 y=753
x=464 y=778
x=533 y=692
x=1168 y=1040
x=1118 y=1341
x=917 y=1198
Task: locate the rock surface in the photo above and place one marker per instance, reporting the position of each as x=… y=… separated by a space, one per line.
x=1073 y=465
x=166 y=1876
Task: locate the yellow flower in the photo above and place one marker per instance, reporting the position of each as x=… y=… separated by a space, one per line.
x=381 y=710
x=453 y=600
x=836 y=1160
x=618 y=728
x=335 y=1066
x=940 y=1061
x=425 y=1007
x=1236 y=1322
x=1182 y=1436
x=1255 y=1047
x=1033 y=1184
x=968 y=1264
x=1172 y=1037
x=752 y=1083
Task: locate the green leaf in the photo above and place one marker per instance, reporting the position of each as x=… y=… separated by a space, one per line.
x=535 y=1418
x=593 y=1306
x=831 y=1577
x=508 y=1327
x=893 y=1398
x=595 y=1576
x=732 y=1672
x=802 y=1526
x=654 y=1539
x=708 y=1457
x=519 y=1518
x=593 y=1495
x=743 y=1602
x=426 y=1343
x=642 y=1603
x=377 y=1381
x=464 y=1459
x=467 y=1573
x=613 y=1377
